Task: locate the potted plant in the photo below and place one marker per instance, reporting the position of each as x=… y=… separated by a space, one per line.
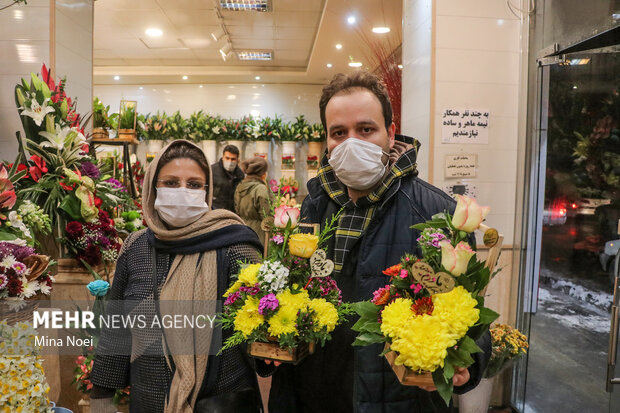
x=508 y=344
x=235 y=133
x=291 y=134
x=315 y=138
x=178 y=127
x=199 y=127
x=154 y=131
x=127 y=120
x=101 y=122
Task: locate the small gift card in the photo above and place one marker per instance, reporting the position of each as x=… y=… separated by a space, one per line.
x=435 y=283
x=320 y=265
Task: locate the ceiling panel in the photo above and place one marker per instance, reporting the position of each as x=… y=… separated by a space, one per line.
x=296 y=5
x=195 y=30
x=293 y=44
x=253 y=44
x=247 y=19
x=192 y=17
x=164 y=42
x=127 y=5
x=296 y=19
x=292 y=55
x=253 y=32
x=295 y=33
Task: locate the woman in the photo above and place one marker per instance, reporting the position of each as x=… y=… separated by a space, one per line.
x=252 y=195
x=185 y=256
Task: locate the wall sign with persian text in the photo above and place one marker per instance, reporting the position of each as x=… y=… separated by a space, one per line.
x=465 y=126
x=460 y=166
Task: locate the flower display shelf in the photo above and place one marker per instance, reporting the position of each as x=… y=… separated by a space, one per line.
x=100 y=133
x=273 y=351
x=406 y=376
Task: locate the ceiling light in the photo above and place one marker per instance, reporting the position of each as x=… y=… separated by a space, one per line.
x=257 y=77
x=200 y=86
x=185 y=77
x=575 y=87
x=245 y=5
x=351 y=19
x=154 y=32
x=329 y=65
x=18 y=14
x=255 y=55
x=338 y=46
x=218 y=34
x=355 y=64
x=140 y=88
x=380 y=30
x=117 y=77
x=231 y=97
x=400 y=66
x=224 y=51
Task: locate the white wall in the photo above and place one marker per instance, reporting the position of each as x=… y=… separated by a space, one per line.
x=477 y=65
x=233 y=101
x=24 y=46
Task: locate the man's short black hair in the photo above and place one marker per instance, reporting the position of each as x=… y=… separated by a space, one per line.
x=231 y=149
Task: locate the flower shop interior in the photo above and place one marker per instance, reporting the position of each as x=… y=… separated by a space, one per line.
x=92 y=90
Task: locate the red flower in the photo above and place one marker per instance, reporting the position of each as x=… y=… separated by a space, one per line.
x=14 y=286
x=381 y=296
x=39 y=169
x=394 y=270
x=65 y=186
x=98 y=201
x=74 y=229
x=422 y=306
x=92 y=255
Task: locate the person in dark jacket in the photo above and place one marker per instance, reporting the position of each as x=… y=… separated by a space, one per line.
x=252 y=197
x=373 y=177
x=226 y=176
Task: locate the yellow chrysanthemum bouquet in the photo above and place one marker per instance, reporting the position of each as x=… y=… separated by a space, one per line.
x=286 y=304
x=431 y=311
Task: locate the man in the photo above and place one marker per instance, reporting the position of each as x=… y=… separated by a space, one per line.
x=226 y=177
x=373 y=176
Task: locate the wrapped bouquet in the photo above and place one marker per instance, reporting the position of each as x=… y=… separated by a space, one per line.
x=431 y=311
x=287 y=303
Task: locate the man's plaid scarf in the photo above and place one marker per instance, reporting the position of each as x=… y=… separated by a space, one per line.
x=356 y=218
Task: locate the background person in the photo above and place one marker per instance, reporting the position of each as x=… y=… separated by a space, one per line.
x=252 y=196
x=226 y=176
x=374 y=177
x=186 y=255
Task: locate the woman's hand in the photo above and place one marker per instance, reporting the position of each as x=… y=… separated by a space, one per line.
x=461 y=376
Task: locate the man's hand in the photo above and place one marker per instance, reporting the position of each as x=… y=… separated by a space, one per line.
x=275 y=363
x=461 y=376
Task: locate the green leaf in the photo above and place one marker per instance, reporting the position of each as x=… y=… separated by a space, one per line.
x=487 y=316
x=448 y=370
x=367 y=325
x=365 y=339
x=94 y=273
x=366 y=309
x=71 y=205
x=444 y=387
x=5 y=236
x=461 y=357
x=468 y=344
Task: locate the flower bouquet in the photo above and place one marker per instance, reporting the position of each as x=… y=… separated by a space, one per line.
x=430 y=313
x=93 y=242
x=287 y=303
x=508 y=344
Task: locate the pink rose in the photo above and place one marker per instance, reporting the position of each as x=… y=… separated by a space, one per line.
x=284 y=214
x=468 y=214
x=455 y=260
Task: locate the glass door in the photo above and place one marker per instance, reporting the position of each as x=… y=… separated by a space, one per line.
x=571 y=365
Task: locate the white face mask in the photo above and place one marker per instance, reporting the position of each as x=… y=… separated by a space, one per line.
x=357 y=163
x=229 y=165
x=180 y=206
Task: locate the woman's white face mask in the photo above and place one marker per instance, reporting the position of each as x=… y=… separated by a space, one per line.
x=358 y=164
x=179 y=207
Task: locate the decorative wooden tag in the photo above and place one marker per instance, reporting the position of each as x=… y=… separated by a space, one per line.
x=490 y=237
x=435 y=283
x=321 y=266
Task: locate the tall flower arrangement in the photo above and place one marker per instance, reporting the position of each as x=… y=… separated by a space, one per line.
x=430 y=313
x=508 y=344
x=288 y=300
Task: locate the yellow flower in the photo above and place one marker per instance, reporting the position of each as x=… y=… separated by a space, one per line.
x=233 y=288
x=248 y=317
x=297 y=301
x=457 y=309
x=303 y=245
x=249 y=274
x=325 y=315
x=396 y=316
x=283 y=322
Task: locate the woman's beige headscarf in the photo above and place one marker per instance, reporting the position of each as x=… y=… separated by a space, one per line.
x=186 y=281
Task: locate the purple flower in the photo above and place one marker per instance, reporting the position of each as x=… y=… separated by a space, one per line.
x=232 y=298
x=20 y=268
x=103 y=241
x=6 y=248
x=278 y=239
x=116 y=184
x=90 y=170
x=268 y=302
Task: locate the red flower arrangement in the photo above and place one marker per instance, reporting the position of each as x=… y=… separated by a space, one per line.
x=93 y=242
x=288 y=161
x=313 y=162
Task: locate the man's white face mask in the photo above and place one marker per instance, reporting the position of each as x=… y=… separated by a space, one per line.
x=357 y=163
x=179 y=207
x=229 y=165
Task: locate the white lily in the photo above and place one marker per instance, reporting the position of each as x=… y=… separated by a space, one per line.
x=37 y=112
x=316 y=134
x=57 y=140
x=216 y=130
x=16 y=222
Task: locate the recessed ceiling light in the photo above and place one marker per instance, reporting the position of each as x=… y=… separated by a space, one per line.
x=245 y=5
x=338 y=46
x=231 y=97
x=400 y=66
x=185 y=77
x=117 y=77
x=140 y=88
x=154 y=32
x=329 y=65
x=355 y=64
x=257 y=77
x=255 y=55
x=380 y=30
x=200 y=86
x=351 y=19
